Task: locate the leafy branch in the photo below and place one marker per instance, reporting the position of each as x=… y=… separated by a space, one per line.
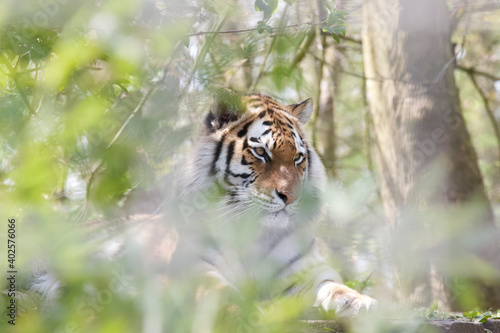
x=475 y=316
x=18 y=85
x=335 y=23
x=268 y=7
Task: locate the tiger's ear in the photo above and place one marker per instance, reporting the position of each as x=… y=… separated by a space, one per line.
x=226 y=107
x=302 y=110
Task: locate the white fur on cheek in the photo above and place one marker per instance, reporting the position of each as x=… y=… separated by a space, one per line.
x=316 y=171
x=195 y=175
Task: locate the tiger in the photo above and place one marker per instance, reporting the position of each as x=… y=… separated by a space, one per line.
x=254 y=149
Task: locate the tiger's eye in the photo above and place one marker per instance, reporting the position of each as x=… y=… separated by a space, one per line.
x=297 y=156
x=260 y=151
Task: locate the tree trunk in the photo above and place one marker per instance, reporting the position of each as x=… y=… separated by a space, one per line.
x=326 y=104
x=431 y=186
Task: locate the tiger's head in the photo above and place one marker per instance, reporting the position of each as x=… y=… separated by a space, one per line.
x=255 y=148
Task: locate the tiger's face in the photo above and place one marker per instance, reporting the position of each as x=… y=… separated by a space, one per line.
x=261 y=157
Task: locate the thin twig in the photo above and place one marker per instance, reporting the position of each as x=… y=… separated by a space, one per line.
x=237 y=31
x=442 y=72
x=18 y=85
x=263 y=65
x=346 y=38
x=489 y=112
x=430 y=84
x=136 y=110
x=474 y=71
x=205 y=48
x=132 y=115
x=350 y=39
x=319 y=78
x=38 y=68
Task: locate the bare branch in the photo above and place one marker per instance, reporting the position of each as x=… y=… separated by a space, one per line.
x=205 y=48
x=489 y=112
x=201 y=33
x=346 y=38
x=136 y=110
x=474 y=71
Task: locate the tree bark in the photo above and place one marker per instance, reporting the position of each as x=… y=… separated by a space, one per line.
x=431 y=185
x=326 y=104
x=327 y=91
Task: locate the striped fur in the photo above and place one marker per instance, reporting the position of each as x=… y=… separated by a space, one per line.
x=255 y=150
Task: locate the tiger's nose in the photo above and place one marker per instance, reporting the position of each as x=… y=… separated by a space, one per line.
x=286 y=196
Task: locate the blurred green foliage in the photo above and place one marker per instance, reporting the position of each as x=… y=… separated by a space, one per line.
x=100 y=99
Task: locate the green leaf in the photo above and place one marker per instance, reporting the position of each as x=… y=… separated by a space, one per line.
x=333 y=18
x=261 y=26
x=274 y=5
x=280 y=75
x=209 y=7
x=334 y=32
x=433 y=307
x=268 y=7
x=353 y=284
x=327 y=6
x=338 y=29
x=473 y=315
x=258 y=5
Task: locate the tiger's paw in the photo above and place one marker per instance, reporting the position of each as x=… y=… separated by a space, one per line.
x=345 y=301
